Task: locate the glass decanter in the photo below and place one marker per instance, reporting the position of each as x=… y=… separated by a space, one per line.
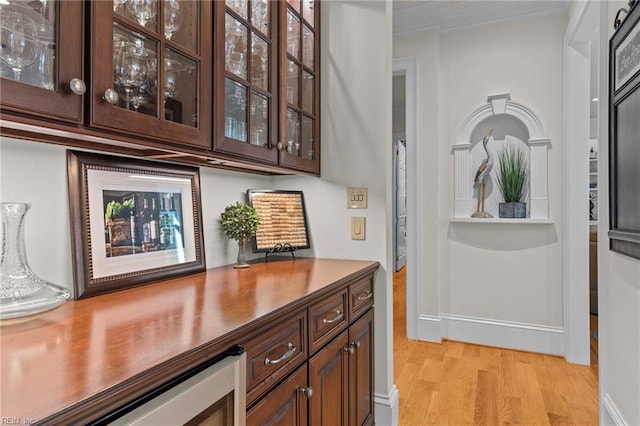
x=22 y=292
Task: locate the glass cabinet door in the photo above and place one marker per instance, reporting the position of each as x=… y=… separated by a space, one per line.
x=246 y=114
x=151 y=69
x=300 y=129
x=41 y=57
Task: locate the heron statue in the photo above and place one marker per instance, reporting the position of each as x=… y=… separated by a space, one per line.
x=481 y=177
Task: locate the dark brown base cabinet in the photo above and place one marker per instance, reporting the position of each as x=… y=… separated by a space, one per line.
x=341 y=376
x=335 y=385
x=287 y=404
x=361 y=371
x=306 y=326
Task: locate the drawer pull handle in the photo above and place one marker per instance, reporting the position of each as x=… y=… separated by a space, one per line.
x=338 y=316
x=308 y=392
x=291 y=349
x=365 y=295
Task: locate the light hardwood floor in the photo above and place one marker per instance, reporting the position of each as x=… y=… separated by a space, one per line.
x=453 y=383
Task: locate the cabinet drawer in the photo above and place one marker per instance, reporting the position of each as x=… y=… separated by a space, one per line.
x=360 y=297
x=327 y=318
x=271 y=355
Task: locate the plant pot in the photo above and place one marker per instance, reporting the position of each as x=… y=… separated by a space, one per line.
x=512 y=210
x=242 y=257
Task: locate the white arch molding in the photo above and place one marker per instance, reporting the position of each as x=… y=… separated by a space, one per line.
x=538 y=144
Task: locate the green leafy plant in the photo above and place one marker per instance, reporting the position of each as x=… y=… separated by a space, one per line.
x=239 y=221
x=117 y=209
x=512 y=174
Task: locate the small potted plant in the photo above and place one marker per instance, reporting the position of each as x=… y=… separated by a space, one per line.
x=512 y=179
x=239 y=222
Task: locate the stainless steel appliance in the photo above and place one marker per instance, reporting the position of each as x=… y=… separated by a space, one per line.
x=213 y=394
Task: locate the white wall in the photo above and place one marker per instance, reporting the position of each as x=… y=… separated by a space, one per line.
x=425 y=47
x=36 y=173
x=489 y=273
x=619 y=304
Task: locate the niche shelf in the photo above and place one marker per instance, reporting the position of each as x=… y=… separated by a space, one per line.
x=512 y=122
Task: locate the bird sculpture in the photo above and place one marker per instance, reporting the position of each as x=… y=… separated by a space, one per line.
x=482 y=174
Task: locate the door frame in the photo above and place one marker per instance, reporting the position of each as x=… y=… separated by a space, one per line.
x=407 y=67
x=578 y=38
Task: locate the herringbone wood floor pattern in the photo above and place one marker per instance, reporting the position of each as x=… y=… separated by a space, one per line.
x=453 y=383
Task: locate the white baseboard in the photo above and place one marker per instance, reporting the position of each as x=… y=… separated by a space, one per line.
x=611 y=415
x=430 y=328
x=387 y=408
x=504 y=334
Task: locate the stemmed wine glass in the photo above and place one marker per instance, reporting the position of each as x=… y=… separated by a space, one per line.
x=131 y=66
x=143 y=10
x=172 y=18
x=118 y=5
x=18 y=40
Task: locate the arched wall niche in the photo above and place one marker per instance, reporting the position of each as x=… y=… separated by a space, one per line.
x=510 y=121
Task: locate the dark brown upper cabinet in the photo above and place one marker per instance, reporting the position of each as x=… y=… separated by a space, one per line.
x=41 y=59
x=246 y=73
x=151 y=69
x=267 y=67
x=300 y=85
x=205 y=80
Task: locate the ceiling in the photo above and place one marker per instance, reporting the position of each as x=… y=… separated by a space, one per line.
x=446 y=15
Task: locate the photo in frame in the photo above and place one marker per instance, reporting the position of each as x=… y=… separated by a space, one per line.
x=133 y=222
x=283 y=220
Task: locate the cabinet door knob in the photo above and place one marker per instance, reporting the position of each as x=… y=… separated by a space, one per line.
x=308 y=392
x=279 y=146
x=356 y=344
x=291 y=348
x=77 y=86
x=349 y=349
x=111 y=96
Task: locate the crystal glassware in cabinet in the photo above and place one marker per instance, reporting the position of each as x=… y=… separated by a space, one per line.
x=41 y=58
x=300 y=41
x=18 y=40
x=27 y=42
x=160 y=61
x=135 y=70
x=247 y=115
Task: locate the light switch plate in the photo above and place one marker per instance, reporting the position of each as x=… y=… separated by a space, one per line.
x=358 y=228
x=357 y=198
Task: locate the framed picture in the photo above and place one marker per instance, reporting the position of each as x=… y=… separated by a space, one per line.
x=283 y=220
x=626 y=53
x=624 y=139
x=132 y=222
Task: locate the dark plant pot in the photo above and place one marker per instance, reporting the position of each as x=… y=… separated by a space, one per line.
x=512 y=210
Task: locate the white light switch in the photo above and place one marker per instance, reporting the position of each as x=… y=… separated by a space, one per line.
x=357 y=198
x=358 y=228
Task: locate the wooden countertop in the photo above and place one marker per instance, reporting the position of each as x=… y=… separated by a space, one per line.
x=113 y=347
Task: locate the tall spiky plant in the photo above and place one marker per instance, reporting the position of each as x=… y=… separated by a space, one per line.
x=512 y=174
